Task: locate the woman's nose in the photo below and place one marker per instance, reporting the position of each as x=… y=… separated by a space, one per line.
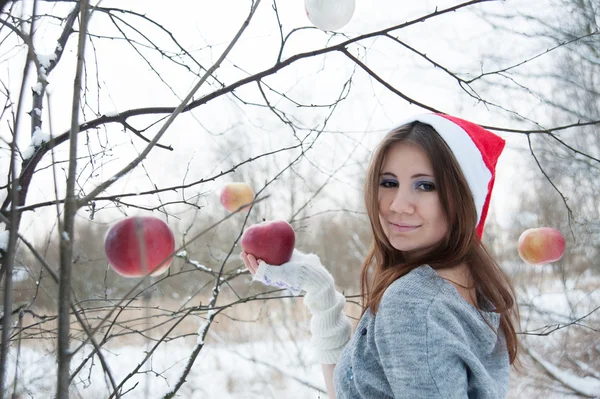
x=403 y=202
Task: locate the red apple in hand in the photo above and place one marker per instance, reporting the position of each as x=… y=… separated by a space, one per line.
x=272 y=241
x=541 y=245
x=124 y=252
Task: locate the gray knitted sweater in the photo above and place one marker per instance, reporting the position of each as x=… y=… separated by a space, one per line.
x=426 y=342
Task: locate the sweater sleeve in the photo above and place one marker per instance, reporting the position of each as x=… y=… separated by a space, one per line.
x=420 y=345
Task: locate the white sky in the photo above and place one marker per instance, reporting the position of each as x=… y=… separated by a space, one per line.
x=461 y=41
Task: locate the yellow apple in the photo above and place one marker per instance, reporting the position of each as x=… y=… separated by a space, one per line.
x=541 y=245
x=235 y=195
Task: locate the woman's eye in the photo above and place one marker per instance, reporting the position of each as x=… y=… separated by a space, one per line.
x=426 y=186
x=388 y=183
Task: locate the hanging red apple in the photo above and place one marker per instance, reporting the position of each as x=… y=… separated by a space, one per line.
x=130 y=259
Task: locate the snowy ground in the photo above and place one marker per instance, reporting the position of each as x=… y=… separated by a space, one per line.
x=219 y=372
x=274 y=367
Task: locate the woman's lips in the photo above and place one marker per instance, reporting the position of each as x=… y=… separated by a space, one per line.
x=403 y=228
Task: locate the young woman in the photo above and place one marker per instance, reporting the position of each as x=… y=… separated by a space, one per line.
x=439 y=316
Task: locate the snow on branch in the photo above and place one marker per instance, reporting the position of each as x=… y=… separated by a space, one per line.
x=39 y=137
x=586 y=386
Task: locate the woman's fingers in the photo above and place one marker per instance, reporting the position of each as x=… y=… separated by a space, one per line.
x=250 y=262
x=244 y=257
x=253 y=263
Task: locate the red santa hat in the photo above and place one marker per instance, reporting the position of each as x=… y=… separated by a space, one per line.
x=477 y=151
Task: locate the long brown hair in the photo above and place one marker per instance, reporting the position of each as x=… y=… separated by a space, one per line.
x=384 y=264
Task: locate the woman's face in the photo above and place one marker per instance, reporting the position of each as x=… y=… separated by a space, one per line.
x=410 y=211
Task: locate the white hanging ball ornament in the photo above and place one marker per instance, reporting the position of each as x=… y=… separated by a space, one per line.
x=329 y=14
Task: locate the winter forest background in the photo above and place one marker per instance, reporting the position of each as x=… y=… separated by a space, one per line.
x=175 y=99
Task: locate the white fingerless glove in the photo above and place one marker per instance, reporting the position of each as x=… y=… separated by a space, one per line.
x=329 y=325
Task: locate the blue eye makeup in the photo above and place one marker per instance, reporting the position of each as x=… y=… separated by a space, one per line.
x=425 y=186
x=388 y=183
x=421 y=185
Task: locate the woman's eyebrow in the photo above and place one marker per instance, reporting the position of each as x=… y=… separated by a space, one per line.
x=421 y=175
x=412 y=177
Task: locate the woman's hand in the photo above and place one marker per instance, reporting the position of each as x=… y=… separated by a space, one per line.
x=330 y=328
x=303 y=272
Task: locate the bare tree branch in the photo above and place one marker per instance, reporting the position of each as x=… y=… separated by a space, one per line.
x=6 y=268
x=67 y=230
